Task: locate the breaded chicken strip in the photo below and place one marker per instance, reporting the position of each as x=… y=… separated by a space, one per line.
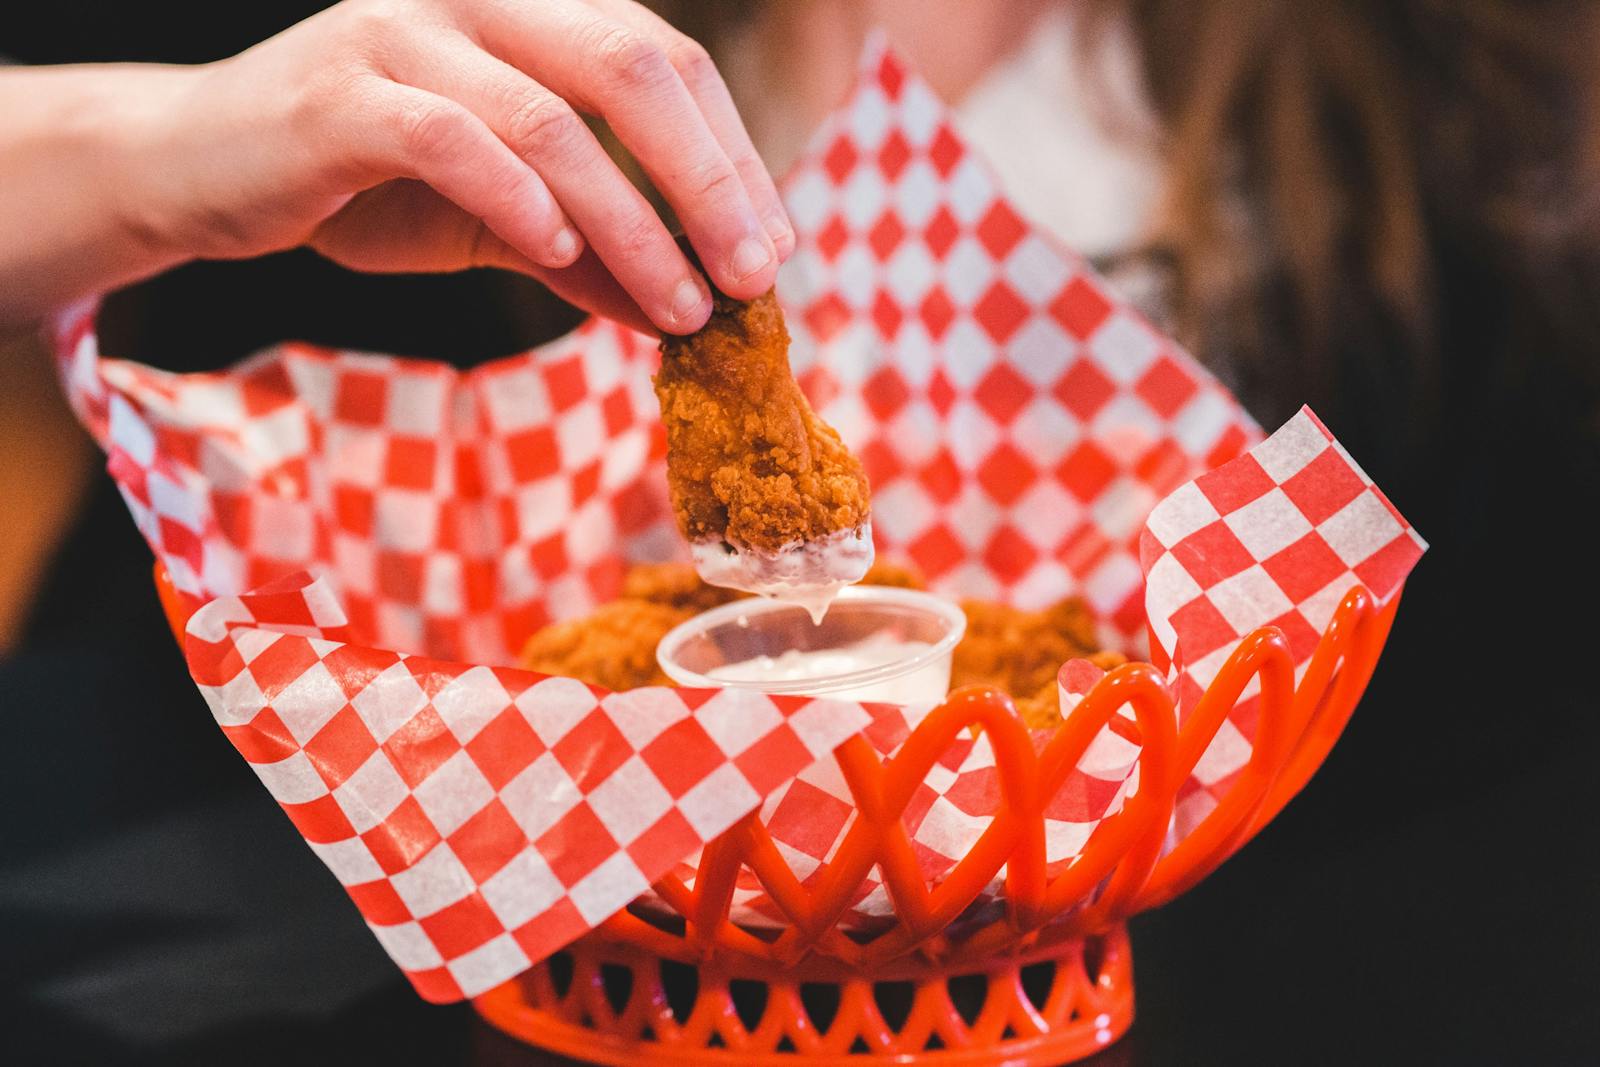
x=1022 y=651
x=767 y=494
x=613 y=647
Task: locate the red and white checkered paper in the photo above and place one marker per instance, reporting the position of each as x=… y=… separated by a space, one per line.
x=1019 y=423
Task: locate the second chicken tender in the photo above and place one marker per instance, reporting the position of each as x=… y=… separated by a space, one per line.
x=613 y=647
x=1022 y=651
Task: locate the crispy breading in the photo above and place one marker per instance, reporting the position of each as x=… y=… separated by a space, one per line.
x=613 y=647
x=674 y=584
x=748 y=461
x=1021 y=651
x=899 y=575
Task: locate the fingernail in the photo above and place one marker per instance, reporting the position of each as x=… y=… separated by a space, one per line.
x=781 y=232
x=564 y=246
x=751 y=255
x=687 y=300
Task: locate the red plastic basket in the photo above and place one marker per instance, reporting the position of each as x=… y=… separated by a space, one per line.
x=1049 y=980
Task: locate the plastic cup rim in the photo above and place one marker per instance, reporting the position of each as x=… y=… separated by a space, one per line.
x=952 y=615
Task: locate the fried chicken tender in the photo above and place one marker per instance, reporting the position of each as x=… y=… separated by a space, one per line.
x=748 y=461
x=613 y=647
x=674 y=584
x=1022 y=651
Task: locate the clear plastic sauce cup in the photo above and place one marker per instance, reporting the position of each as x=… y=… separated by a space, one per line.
x=876 y=643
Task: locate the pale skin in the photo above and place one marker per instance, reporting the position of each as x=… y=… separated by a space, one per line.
x=396 y=135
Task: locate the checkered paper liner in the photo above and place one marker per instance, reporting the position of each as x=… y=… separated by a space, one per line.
x=1019 y=423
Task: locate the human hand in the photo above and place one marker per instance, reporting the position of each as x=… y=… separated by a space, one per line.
x=435 y=135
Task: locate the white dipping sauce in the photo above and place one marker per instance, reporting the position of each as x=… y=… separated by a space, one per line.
x=807 y=573
x=925 y=684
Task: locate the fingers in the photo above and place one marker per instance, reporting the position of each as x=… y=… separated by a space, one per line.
x=615 y=71
x=425 y=136
x=544 y=132
x=710 y=93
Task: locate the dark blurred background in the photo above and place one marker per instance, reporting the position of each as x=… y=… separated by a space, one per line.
x=1430 y=898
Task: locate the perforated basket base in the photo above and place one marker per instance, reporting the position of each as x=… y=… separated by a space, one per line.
x=612 y=1003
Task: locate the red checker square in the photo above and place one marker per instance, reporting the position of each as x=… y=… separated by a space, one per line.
x=1324 y=486
x=945 y=151
x=1081 y=798
x=504 y=747
x=517 y=623
x=533 y=454
x=894 y=155
x=886 y=235
x=941 y=232
x=576 y=845
x=506 y=512
x=180 y=446
x=433 y=675
x=1086 y=471
x=1212 y=553
x=361 y=398
x=409 y=462
x=922 y=799
x=353 y=666
x=178 y=540
x=886 y=314
x=320 y=820
x=1232 y=487
x=827 y=317
x=585 y=482
x=1081 y=308
x=832 y=238
x=1084 y=389
x=891 y=76
x=681 y=756
x=1229 y=446
x=1009 y=555
x=420 y=746
x=591 y=750
x=1302 y=636
x=975 y=792
x=463 y=926
x=280 y=664
x=880 y=462
x=400 y=576
x=941 y=392
x=1003 y=392
x=233 y=515
x=819 y=385
x=1201 y=628
x=1000 y=312
x=439 y=632
x=340 y=748
x=937 y=312
x=1006 y=474
x=1000 y=229
x=266 y=389
x=635 y=510
x=436 y=986
x=1129 y=616
x=352 y=510
x=653 y=851
x=469 y=473
x=885 y=393
x=379 y=903
x=403 y=838
x=840 y=158
x=772 y=760
x=488 y=841
x=1166 y=387
x=264 y=739
x=808 y=819
x=616 y=410
x=1163 y=467
x=566 y=382
x=1384 y=570
x=936 y=551
x=941 y=477
x=549 y=556
x=362 y=613
x=1304 y=567
x=550 y=930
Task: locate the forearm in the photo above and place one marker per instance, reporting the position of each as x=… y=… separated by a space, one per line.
x=76 y=148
